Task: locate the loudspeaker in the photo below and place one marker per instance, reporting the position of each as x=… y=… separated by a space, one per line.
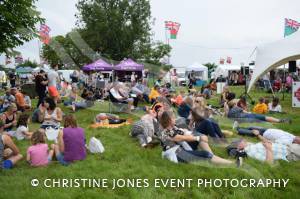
x=292 y=67
x=245 y=70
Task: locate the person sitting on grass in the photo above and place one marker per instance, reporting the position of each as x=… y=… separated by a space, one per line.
x=9 y=117
x=51 y=115
x=268 y=151
x=9 y=152
x=178 y=100
x=242 y=103
x=71 y=96
x=20 y=100
x=175 y=147
x=22 y=131
x=224 y=94
x=27 y=101
x=7 y=100
x=147 y=128
x=71 y=142
x=274 y=106
x=239 y=114
x=38 y=154
x=204 y=125
x=184 y=109
x=261 y=107
x=118 y=95
x=154 y=94
x=86 y=102
x=275 y=135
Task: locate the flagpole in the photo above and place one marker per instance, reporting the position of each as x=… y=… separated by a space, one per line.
x=167 y=42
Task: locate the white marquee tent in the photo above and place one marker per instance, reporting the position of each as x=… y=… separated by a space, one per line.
x=273 y=55
x=201 y=71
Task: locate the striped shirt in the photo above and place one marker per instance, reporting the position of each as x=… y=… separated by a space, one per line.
x=258 y=151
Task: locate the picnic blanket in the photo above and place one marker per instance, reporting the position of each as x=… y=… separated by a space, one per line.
x=102 y=125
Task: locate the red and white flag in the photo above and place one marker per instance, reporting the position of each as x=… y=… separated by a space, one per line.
x=44 y=33
x=173 y=28
x=222 y=60
x=228 y=60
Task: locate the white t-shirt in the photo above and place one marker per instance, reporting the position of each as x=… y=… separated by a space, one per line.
x=279 y=136
x=276 y=108
x=52 y=77
x=20 y=132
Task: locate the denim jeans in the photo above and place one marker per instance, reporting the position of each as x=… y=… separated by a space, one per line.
x=210 y=128
x=248 y=131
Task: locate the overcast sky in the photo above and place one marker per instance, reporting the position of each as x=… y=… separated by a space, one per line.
x=210 y=29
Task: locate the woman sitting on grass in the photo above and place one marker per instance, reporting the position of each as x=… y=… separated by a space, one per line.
x=204 y=125
x=9 y=152
x=71 y=142
x=71 y=96
x=9 y=117
x=50 y=114
x=173 y=142
x=37 y=154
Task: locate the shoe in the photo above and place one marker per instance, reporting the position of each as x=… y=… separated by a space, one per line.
x=239 y=162
x=235 y=125
x=286 y=120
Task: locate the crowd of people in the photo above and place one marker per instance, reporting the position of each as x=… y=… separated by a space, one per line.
x=181 y=120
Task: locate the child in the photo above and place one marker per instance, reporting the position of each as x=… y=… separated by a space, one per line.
x=22 y=128
x=275 y=106
x=261 y=107
x=37 y=154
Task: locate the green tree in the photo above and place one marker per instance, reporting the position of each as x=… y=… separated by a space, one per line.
x=32 y=64
x=211 y=66
x=156 y=52
x=18 y=19
x=117 y=28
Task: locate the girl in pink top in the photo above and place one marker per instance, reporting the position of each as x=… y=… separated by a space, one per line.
x=37 y=154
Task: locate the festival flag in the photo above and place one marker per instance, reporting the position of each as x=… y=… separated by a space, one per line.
x=290 y=26
x=222 y=60
x=173 y=28
x=228 y=60
x=44 y=34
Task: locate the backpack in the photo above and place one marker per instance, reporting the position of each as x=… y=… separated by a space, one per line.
x=95 y=146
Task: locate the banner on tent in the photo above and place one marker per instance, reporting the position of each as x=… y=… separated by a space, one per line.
x=296 y=94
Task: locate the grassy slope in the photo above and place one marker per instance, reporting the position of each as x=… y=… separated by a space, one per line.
x=123 y=158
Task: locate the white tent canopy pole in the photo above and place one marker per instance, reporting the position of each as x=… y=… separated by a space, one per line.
x=273 y=55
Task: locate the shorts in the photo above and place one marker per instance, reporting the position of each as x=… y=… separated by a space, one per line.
x=53 y=91
x=7 y=164
x=60 y=159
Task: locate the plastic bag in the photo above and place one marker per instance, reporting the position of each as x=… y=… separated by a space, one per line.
x=95 y=146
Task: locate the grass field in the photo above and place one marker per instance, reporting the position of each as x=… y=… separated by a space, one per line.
x=123 y=158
